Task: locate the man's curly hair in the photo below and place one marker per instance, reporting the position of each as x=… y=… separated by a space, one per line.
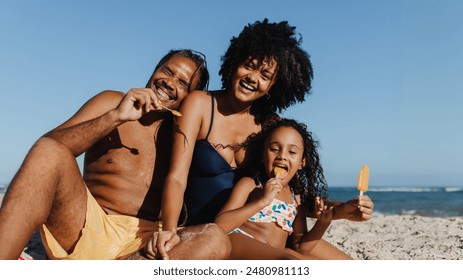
x=308 y=182
x=262 y=41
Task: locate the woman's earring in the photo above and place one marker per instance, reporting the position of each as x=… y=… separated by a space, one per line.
x=267 y=95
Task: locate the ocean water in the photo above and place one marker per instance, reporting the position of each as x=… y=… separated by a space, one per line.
x=3 y=187
x=422 y=201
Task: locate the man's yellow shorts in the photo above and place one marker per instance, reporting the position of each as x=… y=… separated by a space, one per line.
x=104 y=236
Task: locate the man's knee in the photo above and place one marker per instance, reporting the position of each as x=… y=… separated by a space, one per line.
x=51 y=150
x=218 y=239
x=210 y=239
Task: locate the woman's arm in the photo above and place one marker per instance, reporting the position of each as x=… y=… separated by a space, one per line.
x=357 y=209
x=186 y=132
x=185 y=135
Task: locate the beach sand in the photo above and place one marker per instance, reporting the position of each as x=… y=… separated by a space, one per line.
x=383 y=237
x=404 y=237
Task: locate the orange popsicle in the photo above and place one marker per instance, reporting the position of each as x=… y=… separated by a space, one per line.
x=362 y=184
x=280 y=173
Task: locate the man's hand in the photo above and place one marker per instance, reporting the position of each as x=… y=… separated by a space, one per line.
x=357 y=209
x=161 y=243
x=137 y=102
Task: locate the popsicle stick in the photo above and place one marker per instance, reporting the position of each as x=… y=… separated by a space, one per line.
x=174 y=112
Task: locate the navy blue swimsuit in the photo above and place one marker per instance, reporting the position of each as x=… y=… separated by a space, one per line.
x=210 y=181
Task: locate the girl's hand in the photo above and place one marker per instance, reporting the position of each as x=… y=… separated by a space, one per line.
x=271 y=189
x=323 y=212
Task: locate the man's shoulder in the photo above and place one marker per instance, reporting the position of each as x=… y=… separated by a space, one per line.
x=107 y=99
x=111 y=94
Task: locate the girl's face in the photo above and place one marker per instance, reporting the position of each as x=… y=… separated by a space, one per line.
x=253 y=79
x=284 y=148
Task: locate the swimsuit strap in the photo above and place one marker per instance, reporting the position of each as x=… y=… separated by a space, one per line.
x=212 y=115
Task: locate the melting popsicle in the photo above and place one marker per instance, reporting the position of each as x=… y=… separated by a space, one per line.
x=362 y=184
x=280 y=173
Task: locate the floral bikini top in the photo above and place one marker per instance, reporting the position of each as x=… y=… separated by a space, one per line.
x=280 y=212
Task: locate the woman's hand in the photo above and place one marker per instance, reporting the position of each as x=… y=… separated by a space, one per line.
x=357 y=209
x=161 y=243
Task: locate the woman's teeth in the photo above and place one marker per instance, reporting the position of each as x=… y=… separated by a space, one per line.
x=247 y=86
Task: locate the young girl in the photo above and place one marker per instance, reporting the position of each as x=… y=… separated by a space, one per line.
x=282 y=184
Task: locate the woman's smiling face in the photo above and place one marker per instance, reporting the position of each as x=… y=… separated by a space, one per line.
x=253 y=79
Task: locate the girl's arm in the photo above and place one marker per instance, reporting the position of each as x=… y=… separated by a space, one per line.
x=236 y=211
x=304 y=241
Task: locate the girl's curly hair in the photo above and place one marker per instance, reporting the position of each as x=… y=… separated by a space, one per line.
x=264 y=40
x=308 y=182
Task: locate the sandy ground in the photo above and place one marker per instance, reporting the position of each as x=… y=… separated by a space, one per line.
x=381 y=238
x=386 y=237
x=399 y=238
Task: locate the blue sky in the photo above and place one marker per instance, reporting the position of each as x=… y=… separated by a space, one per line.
x=387 y=89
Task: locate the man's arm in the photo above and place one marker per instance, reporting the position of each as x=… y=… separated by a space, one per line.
x=100 y=115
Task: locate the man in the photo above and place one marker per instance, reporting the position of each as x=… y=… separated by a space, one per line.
x=113 y=210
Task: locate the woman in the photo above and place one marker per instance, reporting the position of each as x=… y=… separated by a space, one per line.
x=264 y=71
